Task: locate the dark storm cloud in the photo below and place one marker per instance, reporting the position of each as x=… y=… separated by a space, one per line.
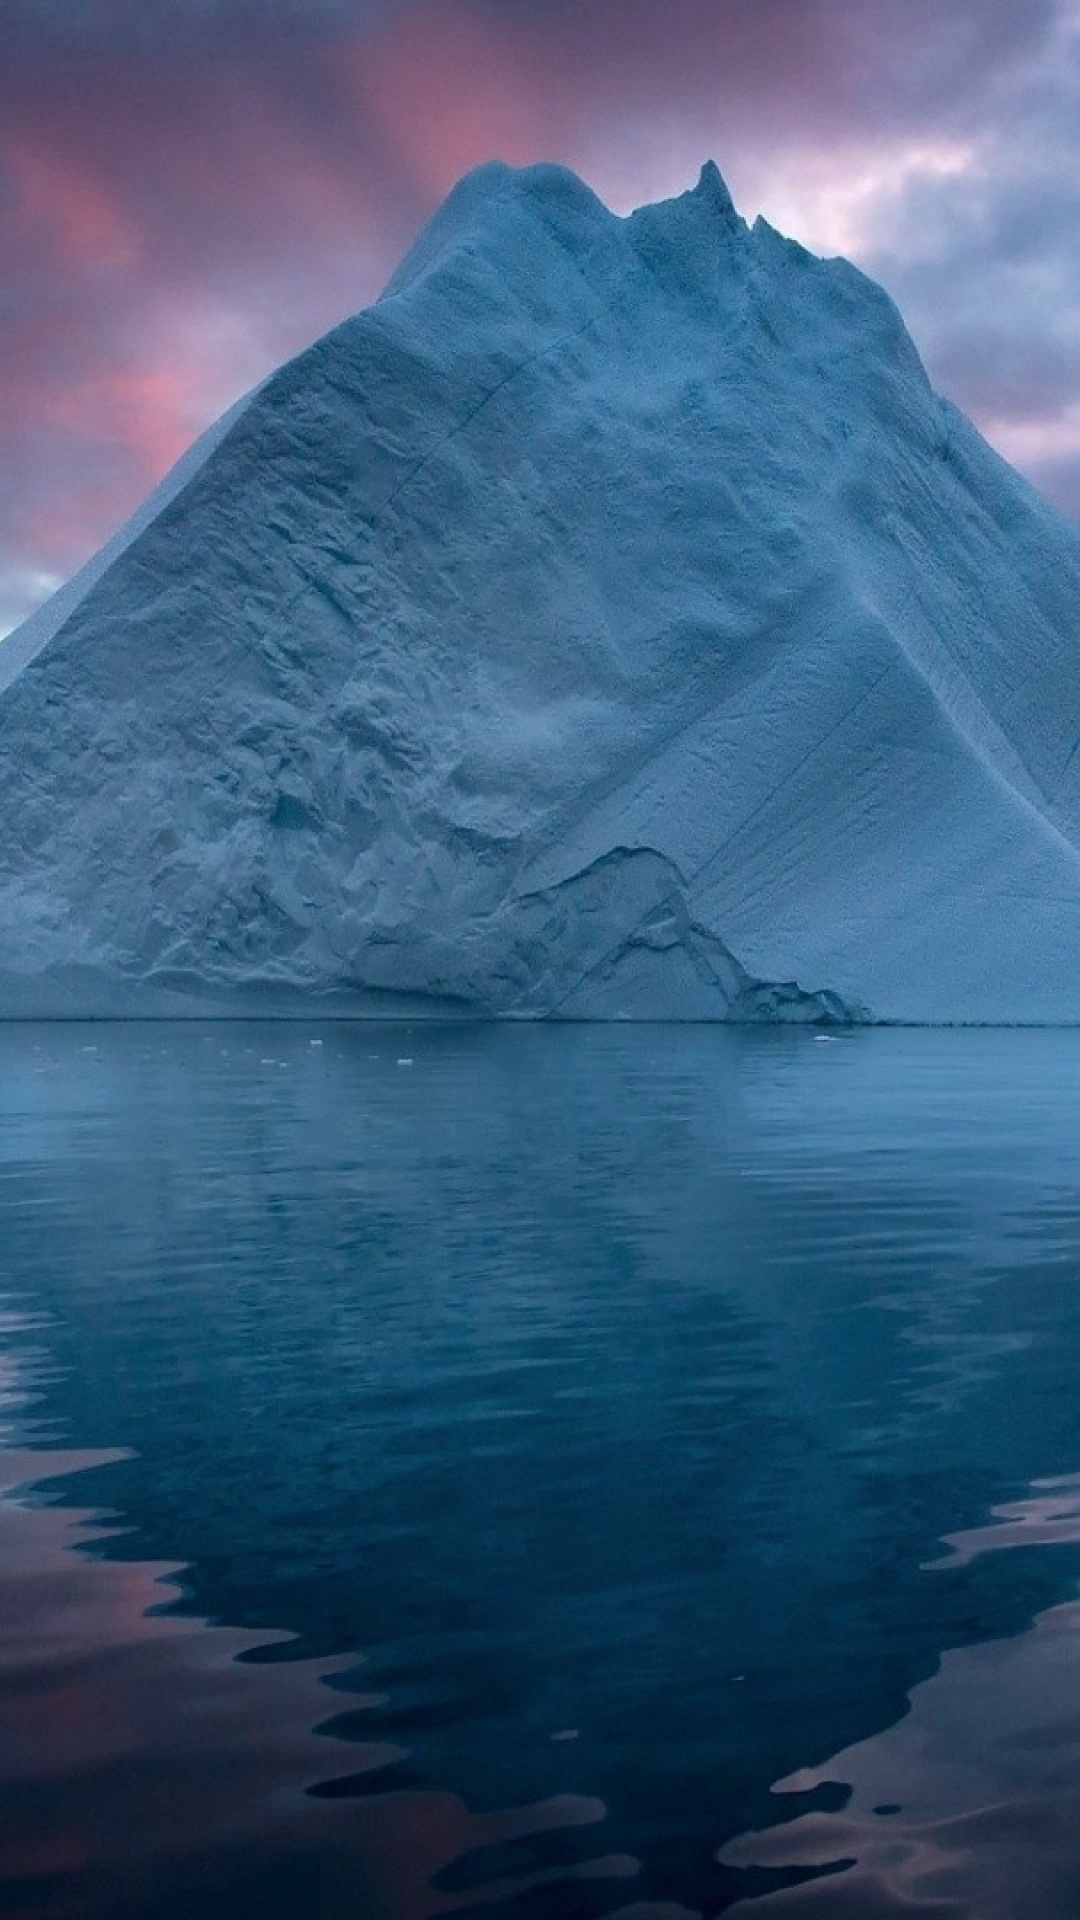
x=1007 y=372
x=1059 y=481
x=191 y=189
x=986 y=267
x=988 y=273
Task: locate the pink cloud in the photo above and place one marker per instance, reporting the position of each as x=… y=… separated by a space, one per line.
x=449 y=86
x=64 y=210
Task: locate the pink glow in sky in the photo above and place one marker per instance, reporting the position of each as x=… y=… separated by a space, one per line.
x=191 y=190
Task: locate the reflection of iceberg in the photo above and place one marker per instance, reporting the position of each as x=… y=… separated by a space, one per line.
x=969 y=1808
x=169 y=1774
x=684 y=1314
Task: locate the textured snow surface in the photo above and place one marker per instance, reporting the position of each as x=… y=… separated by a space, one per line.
x=611 y=621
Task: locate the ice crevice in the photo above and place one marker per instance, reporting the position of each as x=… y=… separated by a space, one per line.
x=618 y=940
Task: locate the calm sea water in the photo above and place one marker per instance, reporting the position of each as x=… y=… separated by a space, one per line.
x=545 y=1473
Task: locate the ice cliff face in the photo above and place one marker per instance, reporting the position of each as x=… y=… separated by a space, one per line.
x=610 y=621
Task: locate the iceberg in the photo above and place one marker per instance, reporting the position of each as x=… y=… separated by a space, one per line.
x=609 y=622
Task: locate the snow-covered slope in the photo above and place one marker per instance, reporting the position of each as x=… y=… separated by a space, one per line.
x=611 y=621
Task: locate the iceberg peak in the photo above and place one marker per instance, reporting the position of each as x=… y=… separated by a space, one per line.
x=612 y=623
x=495 y=199
x=712 y=190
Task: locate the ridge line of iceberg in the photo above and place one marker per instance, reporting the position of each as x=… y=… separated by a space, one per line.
x=614 y=598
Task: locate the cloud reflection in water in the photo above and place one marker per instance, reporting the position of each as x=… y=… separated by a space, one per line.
x=968 y=1808
x=147 y=1764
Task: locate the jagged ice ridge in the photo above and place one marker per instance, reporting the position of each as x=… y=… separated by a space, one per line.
x=609 y=622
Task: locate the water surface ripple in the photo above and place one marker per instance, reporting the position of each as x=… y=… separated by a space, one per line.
x=538 y=1473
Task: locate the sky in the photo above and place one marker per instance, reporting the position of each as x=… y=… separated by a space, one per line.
x=192 y=190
